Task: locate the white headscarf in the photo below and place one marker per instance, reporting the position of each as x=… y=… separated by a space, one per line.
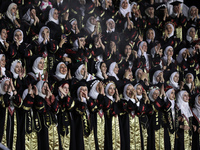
x=51 y=18
x=40 y=38
x=2 y=82
x=125 y=11
x=189 y=15
x=188 y=37
x=35 y=68
x=180 y=57
x=136 y=74
x=165 y=54
x=18 y=30
x=75 y=45
x=189 y=84
x=8 y=12
x=111 y=30
x=58 y=73
x=183 y=106
x=27 y=17
x=78 y=96
x=196 y=109
x=155 y=76
x=172 y=101
x=12 y=68
x=39 y=86
x=126 y=96
x=111 y=70
x=3 y=69
x=172 y=82
x=106 y=91
x=171 y=34
x=98 y=68
x=78 y=74
x=139 y=97
x=145 y=54
x=103 y=2
x=93 y=91
x=1 y=40
x=151 y=94
x=71 y=22
x=25 y=93
x=89 y=26
x=126 y=24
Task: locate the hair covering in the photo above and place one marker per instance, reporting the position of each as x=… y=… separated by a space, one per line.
x=189 y=84
x=12 y=68
x=138 y=96
x=188 y=37
x=189 y=15
x=180 y=57
x=113 y=29
x=151 y=94
x=89 y=26
x=126 y=96
x=171 y=34
x=165 y=54
x=136 y=74
x=78 y=95
x=1 y=40
x=51 y=18
x=35 y=68
x=93 y=91
x=25 y=93
x=3 y=69
x=145 y=54
x=8 y=12
x=106 y=91
x=111 y=70
x=98 y=68
x=18 y=30
x=155 y=76
x=40 y=38
x=125 y=11
x=103 y=2
x=78 y=74
x=27 y=17
x=39 y=86
x=58 y=73
x=183 y=106
x=2 y=82
x=172 y=82
x=196 y=109
x=172 y=101
x=146 y=10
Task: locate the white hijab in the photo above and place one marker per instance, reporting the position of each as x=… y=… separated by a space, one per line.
x=139 y=97
x=183 y=106
x=106 y=91
x=18 y=30
x=8 y=12
x=180 y=57
x=188 y=37
x=126 y=96
x=93 y=92
x=25 y=93
x=189 y=84
x=40 y=38
x=2 y=82
x=145 y=54
x=155 y=76
x=58 y=73
x=171 y=34
x=196 y=109
x=98 y=68
x=136 y=74
x=78 y=96
x=39 y=86
x=78 y=74
x=111 y=30
x=35 y=68
x=111 y=70
x=89 y=26
x=172 y=101
x=172 y=82
x=3 y=69
x=12 y=68
x=75 y=45
x=51 y=18
x=165 y=54
x=27 y=17
x=151 y=94
x=125 y=11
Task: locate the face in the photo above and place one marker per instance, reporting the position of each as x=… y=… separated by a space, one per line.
x=3 y=61
x=139 y=90
x=63 y=69
x=189 y=78
x=82 y=41
x=169 y=29
x=83 y=70
x=176 y=78
x=144 y=46
x=116 y=69
x=19 y=36
x=184 y=54
x=14 y=10
x=41 y=64
x=32 y=13
x=55 y=14
x=170 y=52
x=110 y=3
x=44 y=88
x=82 y=2
x=111 y=24
x=129 y=90
x=83 y=89
x=192 y=33
x=176 y=8
x=127 y=50
x=66 y=88
x=130 y=76
x=151 y=11
x=3 y=34
x=18 y=68
x=45 y=32
x=159 y=76
x=112 y=44
x=103 y=68
x=6 y=85
x=172 y=95
x=134 y=8
x=155 y=95
x=139 y=74
x=150 y=34
x=185 y=97
x=74 y=25
x=124 y=4
x=193 y=11
x=111 y=90
x=93 y=20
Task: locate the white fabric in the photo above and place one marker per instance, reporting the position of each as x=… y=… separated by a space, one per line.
x=44 y=5
x=136 y=74
x=51 y=18
x=125 y=11
x=8 y=12
x=2 y=82
x=113 y=29
x=165 y=54
x=196 y=109
x=180 y=57
x=89 y=26
x=99 y=73
x=25 y=93
x=144 y=54
x=106 y=91
x=172 y=82
x=155 y=76
x=12 y=68
x=151 y=94
x=35 y=68
x=188 y=37
x=27 y=17
x=78 y=74
x=40 y=38
x=58 y=73
x=172 y=101
x=93 y=92
x=111 y=71
x=171 y=34
x=39 y=86
x=3 y=69
x=18 y=30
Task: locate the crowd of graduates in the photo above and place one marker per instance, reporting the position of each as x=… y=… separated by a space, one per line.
x=99 y=74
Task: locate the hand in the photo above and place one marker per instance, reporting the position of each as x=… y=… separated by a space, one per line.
x=101 y=88
x=116 y=95
x=194 y=127
x=77 y=30
x=126 y=74
x=140 y=38
x=46 y=76
x=62 y=41
x=127 y=15
x=185 y=127
x=17 y=42
x=166 y=34
x=6 y=45
x=39 y=77
x=35 y=90
x=62 y=91
x=30 y=91
x=21 y=73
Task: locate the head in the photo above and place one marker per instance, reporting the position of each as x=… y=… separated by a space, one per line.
x=6 y=85
x=63 y=69
x=82 y=2
x=65 y=88
x=170 y=52
x=55 y=14
x=124 y=4
x=155 y=95
x=134 y=8
x=83 y=70
x=116 y=69
x=192 y=33
x=82 y=41
x=169 y=28
x=139 y=89
x=44 y=88
x=45 y=32
x=18 y=68
x=144 y=46
x=139 y=73
x=150 y=11
x=127 y=50
x=159 y=77
x=189 y=78
x=13 y=10
x=32 y=13
x=74 y=24
x=150 y=34
x=185 y=97
x=93 y=20
x=41 y=64
x=176 y=8
x=19 y=35
x=172 y=95
x=184 y=53
x=176 y=77
x=3 y=61
x=3 y=34
x=110 y=23
x=103 y=67
x=193 y=11
x=129 y=90
x=111 y=90
x=83 y=89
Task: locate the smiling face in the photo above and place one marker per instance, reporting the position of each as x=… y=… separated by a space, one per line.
x=63 y=69
x=103 y=68
x=19 y=36
x=170 y=52
x=74 y=24
x=188 y=78
x=150 y=34
x=3 y=34
x=124 y=4
x=129 y=90
x=111 y=90
x=185 y=97
x=18 y=68
x=41 y=64
x=139 y=90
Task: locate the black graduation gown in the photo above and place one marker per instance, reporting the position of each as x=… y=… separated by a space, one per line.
x=195 y=137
